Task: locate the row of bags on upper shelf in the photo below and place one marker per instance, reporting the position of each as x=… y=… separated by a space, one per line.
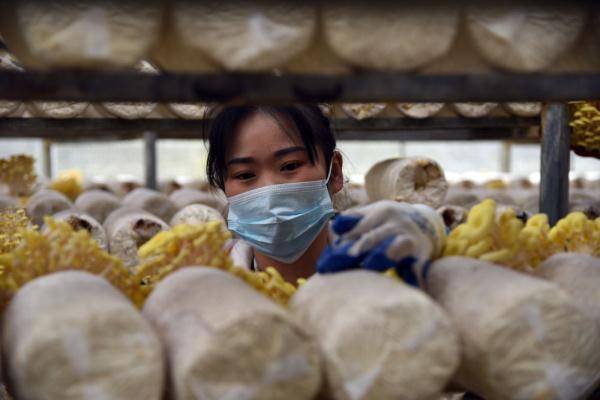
x=303 y=37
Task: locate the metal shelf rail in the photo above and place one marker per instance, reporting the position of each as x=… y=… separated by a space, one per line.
x=363 y=87
x=269 y=88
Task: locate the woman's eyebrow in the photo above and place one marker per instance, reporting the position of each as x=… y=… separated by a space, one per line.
x=288 y=150
x=241 y=160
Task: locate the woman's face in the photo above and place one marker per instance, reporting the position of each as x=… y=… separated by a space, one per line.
x=262 y=154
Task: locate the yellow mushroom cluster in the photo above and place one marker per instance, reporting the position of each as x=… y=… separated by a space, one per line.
x=506 y=240
x=577 y=233
x=61 y=248
x=69 y=184
x=17 y=173
x=186 y=245
x=585 y=137
x=12 y=222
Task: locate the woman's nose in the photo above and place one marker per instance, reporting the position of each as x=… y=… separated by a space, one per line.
x=268 y=179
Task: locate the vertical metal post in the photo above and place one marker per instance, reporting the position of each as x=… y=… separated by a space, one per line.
x=554 y=173
x=150 y=159
x=505 y=161
x=47 y=158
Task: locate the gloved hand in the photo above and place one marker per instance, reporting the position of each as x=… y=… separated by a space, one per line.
x=384 y=235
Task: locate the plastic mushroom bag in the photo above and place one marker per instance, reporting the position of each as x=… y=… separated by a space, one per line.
x=389 y=35
x=152 y=201
x=195 y=214
x=412 y=180
x=380 y=338
x=45 y=203
x=224 y=340
x=577 y=274
x=522 y=337
x=237 y=35
x=522 y=36
x=7 y=63
x=363 y=110
x=57 y=109
x=189 y=110
x=474 y=110
x=186 y=196
x=79 y=221
x=97 y=203
x=80 y=33
x=128 y=229
x=71 y=335
x=131 y=110
x=524 y=109
x=419 y=110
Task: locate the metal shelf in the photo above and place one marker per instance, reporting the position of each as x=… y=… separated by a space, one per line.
x=270 y=88
x=437 y=128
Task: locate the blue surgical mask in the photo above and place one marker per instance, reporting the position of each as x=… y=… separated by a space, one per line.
x=281 y=221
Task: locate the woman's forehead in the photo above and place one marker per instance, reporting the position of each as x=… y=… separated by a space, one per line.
x=261 y=134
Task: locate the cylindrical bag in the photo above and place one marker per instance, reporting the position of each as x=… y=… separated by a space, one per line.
x=79 y=221
x=237 y=35
x=412 y=180
x=524 y=109
x=389 y=35
x=97 y=203
x=128 y=229
x=80 y=33
x=381 y=339
x=57 y=109
x=196 y=214
x=577 y=274
x=522 y=337
x=71 y=335
x=523 y=36
x=153 y=201
x=224 y=340
x=45 y=203
x=186 y=196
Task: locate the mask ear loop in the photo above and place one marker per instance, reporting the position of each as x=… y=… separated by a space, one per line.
x=330 y=169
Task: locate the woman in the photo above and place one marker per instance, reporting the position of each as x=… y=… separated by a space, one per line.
x=279 y=169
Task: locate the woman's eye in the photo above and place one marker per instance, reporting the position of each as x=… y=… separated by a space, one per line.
x=244 y=176
x=290 y=166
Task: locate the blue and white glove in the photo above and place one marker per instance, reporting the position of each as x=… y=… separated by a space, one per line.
x=384 y=235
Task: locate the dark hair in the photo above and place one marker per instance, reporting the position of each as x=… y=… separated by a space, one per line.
x=308 y=122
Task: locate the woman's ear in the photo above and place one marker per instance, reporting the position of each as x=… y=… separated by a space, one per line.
x=336 y=180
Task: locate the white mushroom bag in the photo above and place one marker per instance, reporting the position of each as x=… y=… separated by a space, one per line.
x=412 y=180
x=97 y=203
x=195 y=214
x=524 y=36
x=80 y=33
x=187 y=196
x=577 y=274
x=57 y=109
x=46 y=203
x=522 y=337
x=81 y=221
x=71 y=335
x=128 y=229
x=224 y=340
x=389 y=35
x=152 y=201
x=381 y=339
x=237 y=35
